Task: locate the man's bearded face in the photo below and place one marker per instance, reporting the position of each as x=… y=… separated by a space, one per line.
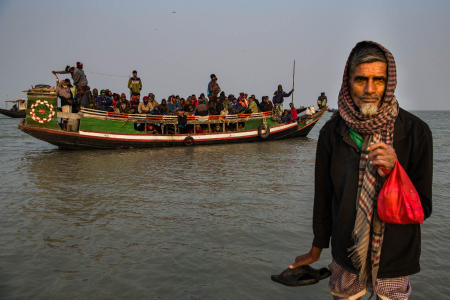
x=367 y=86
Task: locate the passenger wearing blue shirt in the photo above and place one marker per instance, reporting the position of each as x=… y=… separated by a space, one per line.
x=104 y=102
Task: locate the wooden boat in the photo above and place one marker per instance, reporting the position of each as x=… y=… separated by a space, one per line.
x=106 y=130
x=18 y=110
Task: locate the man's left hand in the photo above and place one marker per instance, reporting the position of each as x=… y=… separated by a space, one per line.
x=382 y=155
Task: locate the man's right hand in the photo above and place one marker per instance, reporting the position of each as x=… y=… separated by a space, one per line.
x=306 y=259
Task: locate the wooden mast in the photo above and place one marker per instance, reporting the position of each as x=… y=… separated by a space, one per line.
x=293 y=83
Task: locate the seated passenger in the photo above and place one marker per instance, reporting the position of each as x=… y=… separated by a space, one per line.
x=163 y=108
x=123 y=106
x=172 y=105
x=151 y=129
x=134 y=104
x=93 y=98
x=144 y=107
x=194 y=101
x=266 y=104
x=252 y=105
x=182 y=121
x=116 y=99
x=243 y=101
x=188 y=107
x=236 y=108
x=153 y=103
x=198 y=128
x=226 y=103
x=203 y=99
x=286 y=117
x=201 y=109
x=104 y=102
x=257 y=102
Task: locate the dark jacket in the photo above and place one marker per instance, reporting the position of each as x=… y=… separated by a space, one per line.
x=163 y=109
x=213 y=89
x=266 y=106
x=201 y=110
x=336 y=183
x=278 y=97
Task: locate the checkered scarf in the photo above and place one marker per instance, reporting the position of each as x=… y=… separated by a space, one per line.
x=368 y=230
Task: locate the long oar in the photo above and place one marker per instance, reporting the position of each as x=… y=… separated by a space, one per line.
x=293 y=83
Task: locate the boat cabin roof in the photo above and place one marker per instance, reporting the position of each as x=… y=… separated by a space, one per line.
x=15 y=101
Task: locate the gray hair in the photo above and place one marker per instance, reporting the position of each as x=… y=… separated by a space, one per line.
x=366 y=53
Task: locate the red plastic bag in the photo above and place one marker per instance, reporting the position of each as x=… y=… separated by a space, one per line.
x=398 y=200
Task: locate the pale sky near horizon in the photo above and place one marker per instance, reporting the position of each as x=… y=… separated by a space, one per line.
x=249 y=45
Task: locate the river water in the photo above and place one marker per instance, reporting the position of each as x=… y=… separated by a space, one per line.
x=208 y=222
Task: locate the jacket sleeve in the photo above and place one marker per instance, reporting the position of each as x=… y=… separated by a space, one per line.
x=287 y=94
x=129 y=83
x=323 y=192
x=140 y=84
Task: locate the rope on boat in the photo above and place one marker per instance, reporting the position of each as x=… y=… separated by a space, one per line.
x=106 y=74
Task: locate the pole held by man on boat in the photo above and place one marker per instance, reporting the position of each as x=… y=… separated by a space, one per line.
x=293 y=83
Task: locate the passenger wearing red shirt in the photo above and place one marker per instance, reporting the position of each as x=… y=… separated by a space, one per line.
x=294 y=115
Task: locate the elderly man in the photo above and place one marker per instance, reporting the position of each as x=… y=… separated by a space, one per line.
x=123 y=105
x=356 y=150
x=145 y=107
x=153 y=103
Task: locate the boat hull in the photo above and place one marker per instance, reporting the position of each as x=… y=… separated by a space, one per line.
x=13 y=113
x=101 y=140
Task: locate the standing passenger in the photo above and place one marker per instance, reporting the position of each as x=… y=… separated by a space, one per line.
x=78 y=76
x=135 y=85
x=213 y=88
x=278 y=97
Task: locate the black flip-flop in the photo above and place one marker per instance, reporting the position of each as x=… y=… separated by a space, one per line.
x=304 y=275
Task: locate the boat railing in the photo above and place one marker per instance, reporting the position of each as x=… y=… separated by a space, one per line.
x=171 y=119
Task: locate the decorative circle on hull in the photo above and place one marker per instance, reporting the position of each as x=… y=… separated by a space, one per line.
x=41 y=111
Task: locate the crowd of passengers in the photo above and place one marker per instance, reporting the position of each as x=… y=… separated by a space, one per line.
x=217 y=103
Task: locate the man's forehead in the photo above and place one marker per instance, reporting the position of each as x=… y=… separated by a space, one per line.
x=376 y=68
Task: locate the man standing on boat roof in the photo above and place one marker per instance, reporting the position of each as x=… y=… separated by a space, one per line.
x=135 y=85
x=279 y=95
x=78 y=76
x=278 y=99
x=369 y=133
x=213 y=88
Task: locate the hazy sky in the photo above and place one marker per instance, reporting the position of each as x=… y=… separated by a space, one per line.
x=249 y=45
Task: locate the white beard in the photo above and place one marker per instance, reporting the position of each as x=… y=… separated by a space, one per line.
x=368 y=110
